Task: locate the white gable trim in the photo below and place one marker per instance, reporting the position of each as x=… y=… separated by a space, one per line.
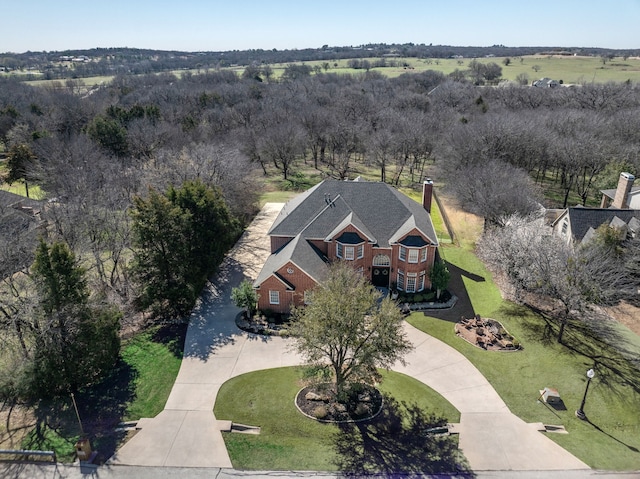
x=344 y=224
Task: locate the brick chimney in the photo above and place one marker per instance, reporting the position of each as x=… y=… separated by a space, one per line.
x=622 y=192
x=427 y=194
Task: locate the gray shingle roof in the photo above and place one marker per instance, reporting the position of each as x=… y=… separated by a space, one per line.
x=8 y=199
x=611 y=193
x=378 y=209
x=584 y=218
x=301 y=253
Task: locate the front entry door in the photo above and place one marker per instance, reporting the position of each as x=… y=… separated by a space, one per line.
x=380 y=276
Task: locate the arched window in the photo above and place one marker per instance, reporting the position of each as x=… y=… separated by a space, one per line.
x=381 y=260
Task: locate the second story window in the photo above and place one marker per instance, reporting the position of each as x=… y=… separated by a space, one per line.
x=403 y=253
x=413 y=255
x=348 y=253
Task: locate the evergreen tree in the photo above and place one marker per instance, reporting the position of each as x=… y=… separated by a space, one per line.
x=179 y=239
x=439 y=276
x=75 y=343
x=20 y=162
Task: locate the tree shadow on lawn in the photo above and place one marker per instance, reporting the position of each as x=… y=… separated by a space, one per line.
x=173 y=336
x=398 y=441
x=608 y=352
x=630 y=447
x=101 y=408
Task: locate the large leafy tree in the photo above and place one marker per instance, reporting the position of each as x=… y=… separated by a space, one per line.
x=575 y=280
x=347 y=327
x=179 y=238
x=75 y=343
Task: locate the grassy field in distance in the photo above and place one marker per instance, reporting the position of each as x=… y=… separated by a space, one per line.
x=569 y=69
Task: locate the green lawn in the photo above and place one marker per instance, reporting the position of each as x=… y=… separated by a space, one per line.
x=612 y=440
x=18 y=188
x=155 y=356
x=289 y=440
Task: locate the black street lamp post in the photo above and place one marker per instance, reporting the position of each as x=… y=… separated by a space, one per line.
x=580 y=412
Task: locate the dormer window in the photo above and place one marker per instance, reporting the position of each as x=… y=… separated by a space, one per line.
x=413 y=249
x=349 y=246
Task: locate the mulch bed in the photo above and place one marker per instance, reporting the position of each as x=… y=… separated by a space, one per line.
x=319 y=402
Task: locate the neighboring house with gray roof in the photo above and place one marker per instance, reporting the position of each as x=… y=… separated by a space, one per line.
x=381 y=233
x=619 y=209
x=577 y=225
x=624 y=196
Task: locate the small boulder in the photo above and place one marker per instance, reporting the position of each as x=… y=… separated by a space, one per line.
x=311 y=396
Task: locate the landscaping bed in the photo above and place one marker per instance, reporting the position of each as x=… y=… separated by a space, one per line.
x=487 y=334
x=320 y=402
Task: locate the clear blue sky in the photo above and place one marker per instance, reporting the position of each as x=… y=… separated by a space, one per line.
x=215 y=25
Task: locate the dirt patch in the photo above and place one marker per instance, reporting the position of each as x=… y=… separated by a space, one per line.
x=627 y=315
x=467 y=227
x=15 y=424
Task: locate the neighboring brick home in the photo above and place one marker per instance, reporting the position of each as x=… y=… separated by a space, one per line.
x=383 y=234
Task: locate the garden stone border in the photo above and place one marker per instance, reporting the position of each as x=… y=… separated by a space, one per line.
x=346 y=421
x=254 y=328
x=426 y=306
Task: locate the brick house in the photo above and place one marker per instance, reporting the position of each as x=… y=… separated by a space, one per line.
x=383 y=234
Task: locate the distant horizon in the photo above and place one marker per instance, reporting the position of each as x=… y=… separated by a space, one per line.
x=219 y=26
x=551 y=47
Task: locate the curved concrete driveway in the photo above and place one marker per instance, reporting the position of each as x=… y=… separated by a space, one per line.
x=186 y=433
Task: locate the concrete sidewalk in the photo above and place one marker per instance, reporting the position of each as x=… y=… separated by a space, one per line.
x=186 y=433
x=60 y=471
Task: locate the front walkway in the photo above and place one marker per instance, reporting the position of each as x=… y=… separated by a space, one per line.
x=186 y=433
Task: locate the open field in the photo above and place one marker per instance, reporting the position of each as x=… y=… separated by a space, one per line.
x=569 y=69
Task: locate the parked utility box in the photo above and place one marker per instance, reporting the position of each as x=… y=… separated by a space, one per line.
x=551 y=396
